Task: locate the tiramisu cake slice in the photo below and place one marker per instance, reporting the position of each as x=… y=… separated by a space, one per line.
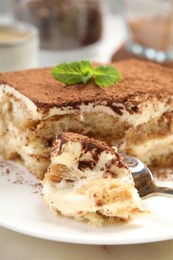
x=88 y=180
x=135 y=114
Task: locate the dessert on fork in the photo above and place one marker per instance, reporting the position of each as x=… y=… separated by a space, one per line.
x=89 y=181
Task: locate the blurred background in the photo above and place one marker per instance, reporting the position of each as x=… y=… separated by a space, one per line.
x=5 y=5
x=100 y=30
x=68 y=29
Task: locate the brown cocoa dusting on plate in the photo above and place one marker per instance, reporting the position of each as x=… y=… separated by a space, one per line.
x=16 y=175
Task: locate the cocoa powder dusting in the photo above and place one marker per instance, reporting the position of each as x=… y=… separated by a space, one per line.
x=138 y=78
x=16 y=175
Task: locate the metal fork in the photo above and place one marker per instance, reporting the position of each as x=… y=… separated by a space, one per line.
x=143 y=179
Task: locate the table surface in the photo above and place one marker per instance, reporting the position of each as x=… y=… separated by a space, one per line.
x=15 y=246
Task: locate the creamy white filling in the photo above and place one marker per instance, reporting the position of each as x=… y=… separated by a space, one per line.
x=64 y=197
x=67 y=200
x=154 y=148
x=149 y=109
x=29 y=105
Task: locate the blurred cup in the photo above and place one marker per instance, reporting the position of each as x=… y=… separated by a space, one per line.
x=68 y=29
x=19 y=46
x=63 y=25
x=149 y=25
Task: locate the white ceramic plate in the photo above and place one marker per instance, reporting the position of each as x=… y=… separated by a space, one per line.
x=22 y=209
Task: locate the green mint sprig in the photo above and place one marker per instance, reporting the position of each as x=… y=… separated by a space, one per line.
x=77 y=72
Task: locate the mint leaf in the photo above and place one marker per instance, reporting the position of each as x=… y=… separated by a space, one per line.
x=106 y=76
x=69 y=73
x=77 y=72
x=86 y=70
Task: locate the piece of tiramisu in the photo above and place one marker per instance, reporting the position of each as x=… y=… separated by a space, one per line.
x=88 y=180
x=136 y=114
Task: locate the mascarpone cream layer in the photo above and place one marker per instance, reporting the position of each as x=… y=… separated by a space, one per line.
x=153 y=148
x=148 y=109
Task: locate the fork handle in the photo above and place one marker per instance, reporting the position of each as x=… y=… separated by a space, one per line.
x=163 y=191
